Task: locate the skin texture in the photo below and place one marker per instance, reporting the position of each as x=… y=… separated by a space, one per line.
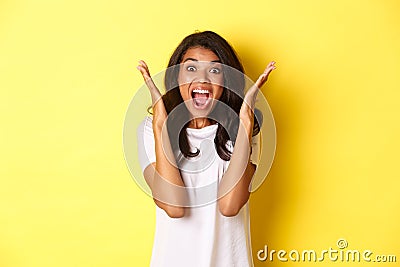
x=199 y=70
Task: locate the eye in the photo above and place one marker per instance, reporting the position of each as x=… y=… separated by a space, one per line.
x=215 y=70
x=191 y=68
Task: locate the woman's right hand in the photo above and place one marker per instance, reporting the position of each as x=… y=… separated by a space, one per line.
x=162 y=176
x=159 y=112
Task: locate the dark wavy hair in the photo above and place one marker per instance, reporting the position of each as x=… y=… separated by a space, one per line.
x=232 y=95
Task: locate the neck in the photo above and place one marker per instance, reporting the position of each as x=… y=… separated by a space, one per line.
x=199 y=123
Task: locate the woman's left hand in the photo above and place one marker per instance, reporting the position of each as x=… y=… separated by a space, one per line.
x=246 y=111
x=233 y=189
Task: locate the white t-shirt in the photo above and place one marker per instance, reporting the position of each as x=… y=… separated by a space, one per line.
x=203 y=237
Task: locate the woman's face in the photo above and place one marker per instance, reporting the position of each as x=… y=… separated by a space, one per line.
x=200 y=80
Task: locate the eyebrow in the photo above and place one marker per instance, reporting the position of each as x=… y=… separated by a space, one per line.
x=193 y=59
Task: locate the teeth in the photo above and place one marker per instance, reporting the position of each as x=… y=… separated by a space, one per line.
x=201 y=91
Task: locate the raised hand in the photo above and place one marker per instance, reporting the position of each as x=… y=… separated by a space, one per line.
x=160 y=113
x=249 y=101
x=162 y=176
x=251 y=94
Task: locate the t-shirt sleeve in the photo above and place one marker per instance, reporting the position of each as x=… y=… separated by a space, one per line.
x=145 y=143
x=255 y=149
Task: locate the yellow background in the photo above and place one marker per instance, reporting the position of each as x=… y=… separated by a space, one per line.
x=67 y=75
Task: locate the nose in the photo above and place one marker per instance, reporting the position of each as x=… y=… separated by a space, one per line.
x=203 y=76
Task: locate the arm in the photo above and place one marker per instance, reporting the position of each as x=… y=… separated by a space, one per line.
x=234 y=187
x=233 y=192
x=162 y=176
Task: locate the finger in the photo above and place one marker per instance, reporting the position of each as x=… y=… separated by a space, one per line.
x=143 y=63
x=144 y=69
x=154 y=92
x=251 y=94
x=144 y=72
x=264 y=76
x=271 y=66
x=146 y=76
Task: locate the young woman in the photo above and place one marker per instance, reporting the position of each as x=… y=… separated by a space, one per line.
x=198 y=152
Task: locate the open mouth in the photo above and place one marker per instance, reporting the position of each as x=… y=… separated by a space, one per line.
x=201 y=98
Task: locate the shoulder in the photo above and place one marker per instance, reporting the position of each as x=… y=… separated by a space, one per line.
x=144 y=131
x=255 y=139
x=145 y=143
x=145 y=125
